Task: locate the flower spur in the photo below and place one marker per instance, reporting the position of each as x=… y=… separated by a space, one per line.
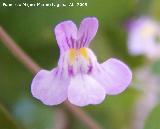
x=79 y=77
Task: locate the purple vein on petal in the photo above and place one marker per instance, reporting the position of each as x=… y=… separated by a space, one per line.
x=90 y=67
x=86 y=39
x=70 y=70
x=67 y=41
x=72 y=42
x=81 y=41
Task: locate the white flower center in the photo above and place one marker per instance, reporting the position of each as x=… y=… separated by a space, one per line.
x=148 y=30
x=80 y=60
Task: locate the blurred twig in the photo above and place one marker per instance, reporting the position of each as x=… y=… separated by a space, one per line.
x=60 y=119
x=18 y=52
x=34 y=68
x=5 y=112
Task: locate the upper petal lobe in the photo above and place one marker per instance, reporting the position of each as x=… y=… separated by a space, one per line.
x=87 y=30
x=66 y=35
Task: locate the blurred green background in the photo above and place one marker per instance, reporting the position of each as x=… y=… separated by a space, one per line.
x=32 y=28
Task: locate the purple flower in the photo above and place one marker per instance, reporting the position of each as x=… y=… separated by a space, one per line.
x=79 y=77
x=144 y=37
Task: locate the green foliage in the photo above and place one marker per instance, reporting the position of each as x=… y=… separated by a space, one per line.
x=33 y=115
x=153 y=120
x=32 y=29
x=6 y=120
x=156 y=67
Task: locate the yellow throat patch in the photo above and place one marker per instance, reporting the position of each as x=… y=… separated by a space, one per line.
x=75 y=52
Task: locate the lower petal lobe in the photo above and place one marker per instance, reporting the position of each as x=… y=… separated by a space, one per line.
x=49 y=88
x=84 y=90
x=114 y=76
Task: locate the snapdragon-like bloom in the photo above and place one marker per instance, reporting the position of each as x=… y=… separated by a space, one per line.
x=79 y=77
x=144 y=37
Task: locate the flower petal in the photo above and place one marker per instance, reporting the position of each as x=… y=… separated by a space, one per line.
x=87 y=30
x=84 y=90
x=66 y=35
x=48 y=88
x=141 y=36
x=114 y=75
